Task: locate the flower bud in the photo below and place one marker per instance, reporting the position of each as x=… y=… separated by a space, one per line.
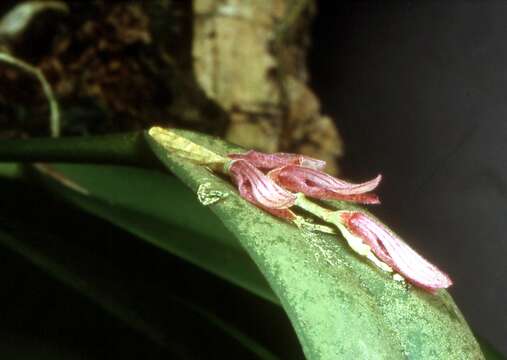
x=393 y=251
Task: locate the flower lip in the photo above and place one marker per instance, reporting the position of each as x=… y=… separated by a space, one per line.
x=270 y=161
x=320 y=185
x=258 y=188
x=389 y=248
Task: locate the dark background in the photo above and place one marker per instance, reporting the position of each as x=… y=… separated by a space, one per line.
x=419 y=93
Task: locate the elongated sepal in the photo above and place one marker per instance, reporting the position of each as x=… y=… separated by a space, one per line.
x=319 y=185
x=271 y=161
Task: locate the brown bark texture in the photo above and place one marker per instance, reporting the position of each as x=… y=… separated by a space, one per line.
x=233 y=68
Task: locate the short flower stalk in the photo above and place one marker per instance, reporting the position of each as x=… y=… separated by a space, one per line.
x=334 y=217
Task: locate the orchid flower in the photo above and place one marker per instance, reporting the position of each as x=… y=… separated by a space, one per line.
x=393 y=251
x=299 y=173
x=260 y=190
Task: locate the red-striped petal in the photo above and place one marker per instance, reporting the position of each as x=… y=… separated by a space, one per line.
x=245 y=191
x=389 y=248
x=270 y=161
x=258 y=188
x=317 y=184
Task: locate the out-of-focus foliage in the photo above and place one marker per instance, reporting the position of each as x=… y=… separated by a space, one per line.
x=159 y=209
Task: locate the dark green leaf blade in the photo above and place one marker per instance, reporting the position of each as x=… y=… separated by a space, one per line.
x=159 y=209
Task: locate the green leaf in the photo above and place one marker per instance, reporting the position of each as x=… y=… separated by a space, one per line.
x=339 y=305
x=158 y=208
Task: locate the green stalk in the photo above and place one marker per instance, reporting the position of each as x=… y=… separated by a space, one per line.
x=54 y=123
x=124 y=149
x=334 y=218
x=319 y=211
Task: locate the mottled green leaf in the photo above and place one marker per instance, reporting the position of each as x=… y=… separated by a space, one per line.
x=340 y=306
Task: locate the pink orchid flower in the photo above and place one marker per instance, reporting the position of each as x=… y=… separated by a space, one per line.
x=389 y=248
x=299 y=173
x=257 y=188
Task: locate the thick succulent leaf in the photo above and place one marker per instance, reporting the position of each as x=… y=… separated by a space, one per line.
x=158 y=208
x=340 y=306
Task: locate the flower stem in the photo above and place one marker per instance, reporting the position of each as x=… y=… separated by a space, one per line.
x=334 y=218
x=322 y=213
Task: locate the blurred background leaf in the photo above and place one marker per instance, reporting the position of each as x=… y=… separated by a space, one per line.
x=158 y=208
x=176 y=309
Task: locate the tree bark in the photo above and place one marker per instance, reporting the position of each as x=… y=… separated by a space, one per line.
x=233 y=68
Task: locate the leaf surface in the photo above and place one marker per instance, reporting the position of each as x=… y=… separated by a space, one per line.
x=340 y=306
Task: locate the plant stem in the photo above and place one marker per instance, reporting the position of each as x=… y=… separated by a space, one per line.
x=46 y=88
x=311 y=207
x=125 y=149
x=333 y=217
